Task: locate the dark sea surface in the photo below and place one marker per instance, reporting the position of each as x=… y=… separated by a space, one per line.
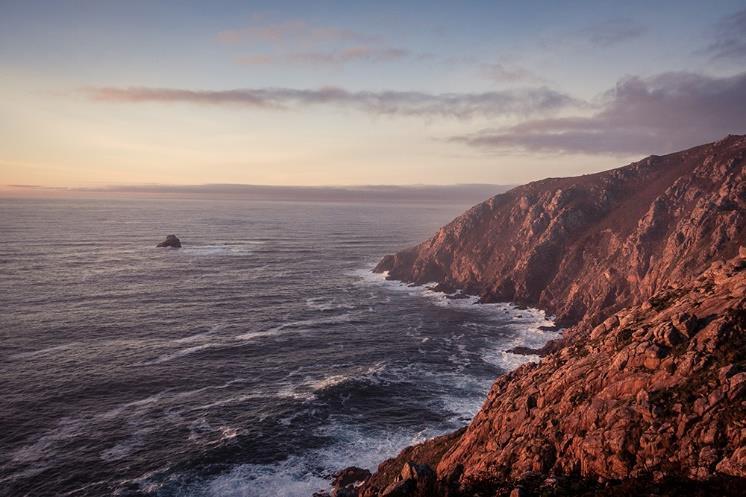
x=255 y=361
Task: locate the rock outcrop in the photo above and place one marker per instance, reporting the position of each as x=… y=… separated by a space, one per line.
x=170 y=241
x=646 y=392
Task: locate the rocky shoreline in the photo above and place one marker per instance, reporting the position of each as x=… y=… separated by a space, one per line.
x=646 y=391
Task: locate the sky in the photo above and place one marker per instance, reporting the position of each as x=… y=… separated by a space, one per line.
x=96 y=93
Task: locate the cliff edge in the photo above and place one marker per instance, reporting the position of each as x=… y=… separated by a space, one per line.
x=585 y=247
x=647 y=391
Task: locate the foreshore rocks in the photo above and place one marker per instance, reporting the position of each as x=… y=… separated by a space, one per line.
x=645 y=394
x=171 y=241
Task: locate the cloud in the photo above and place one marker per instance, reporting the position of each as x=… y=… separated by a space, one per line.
x=613 y=31
x=667 y=112
x=341 y=56
x=730 y=37
x=292 y=32
x=522 y=102
x=502 y=73
x=299 y=42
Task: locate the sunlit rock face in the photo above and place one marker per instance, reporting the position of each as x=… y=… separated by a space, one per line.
x=646 y=264
x=656 y=389
x=585 y=247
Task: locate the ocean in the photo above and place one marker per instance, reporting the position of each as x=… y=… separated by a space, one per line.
x=257 y=360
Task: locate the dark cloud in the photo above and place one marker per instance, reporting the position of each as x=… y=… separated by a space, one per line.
x=521 y=102
x=612 y=31
x=668 y=112
x=730 y=37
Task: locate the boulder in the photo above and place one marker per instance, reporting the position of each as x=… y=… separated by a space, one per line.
x=347 y=480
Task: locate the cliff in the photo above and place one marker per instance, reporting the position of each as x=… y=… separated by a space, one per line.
x=585 y=247
x=656 y=390
x=647 y=391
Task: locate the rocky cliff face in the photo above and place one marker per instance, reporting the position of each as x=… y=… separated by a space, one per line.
x=585 y=247
x=648 y=388
x=655 y=390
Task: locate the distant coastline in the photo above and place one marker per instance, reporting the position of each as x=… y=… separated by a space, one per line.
x=408 y=194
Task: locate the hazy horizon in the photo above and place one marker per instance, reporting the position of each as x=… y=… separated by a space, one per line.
x=454 y=194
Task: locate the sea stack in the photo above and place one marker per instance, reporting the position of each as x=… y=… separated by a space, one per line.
x=170 y=241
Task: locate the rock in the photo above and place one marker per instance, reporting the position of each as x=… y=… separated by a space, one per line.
x=518 y=491
x=643 y=268
x=347 y=480
x=665 y=412
x=401 y=488
x=423 y=477
x=685 y=323
x=350 y=476
x=170 y=241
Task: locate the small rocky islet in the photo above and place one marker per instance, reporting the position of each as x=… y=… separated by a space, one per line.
x=171 y=241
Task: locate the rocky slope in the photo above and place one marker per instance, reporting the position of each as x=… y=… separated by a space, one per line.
x=655 y=390
x=585 y=247
x=647 y=391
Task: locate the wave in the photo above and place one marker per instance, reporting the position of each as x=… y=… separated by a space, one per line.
x=45 y=351
x=309 y=388
x=325 y=304
x=524 y=323
x=200 y=336
x=298 y=326
x=243 y=248
x=302 y=475
x=470 y=303
x=181 y=353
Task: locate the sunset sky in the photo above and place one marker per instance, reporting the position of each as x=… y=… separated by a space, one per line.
x=99 y=93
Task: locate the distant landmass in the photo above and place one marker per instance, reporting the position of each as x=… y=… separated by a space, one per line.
x=456 y=194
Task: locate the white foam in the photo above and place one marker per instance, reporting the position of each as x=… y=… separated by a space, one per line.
x=465 y=302
x=307 y=389
x=325 y=304
x=524 y=322
x=182 y=353
x=301 y=476
x=508 y=361
x=298 y=326
x=289 y=478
